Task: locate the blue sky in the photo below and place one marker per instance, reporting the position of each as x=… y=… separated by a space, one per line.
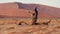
x=54 y=3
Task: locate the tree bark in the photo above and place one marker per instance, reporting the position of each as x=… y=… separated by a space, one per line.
x=35 y=15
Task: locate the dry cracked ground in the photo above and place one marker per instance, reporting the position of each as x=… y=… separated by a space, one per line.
x=30 y=29
x=51 y=28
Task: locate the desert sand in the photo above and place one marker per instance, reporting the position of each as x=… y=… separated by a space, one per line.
x=11 y=26
x=12 y=14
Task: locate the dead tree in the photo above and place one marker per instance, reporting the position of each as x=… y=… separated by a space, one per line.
x=22 y=23
x=46 y=23
x=34 y=17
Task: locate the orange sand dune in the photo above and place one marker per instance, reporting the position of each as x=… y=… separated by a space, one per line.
x=16 y=9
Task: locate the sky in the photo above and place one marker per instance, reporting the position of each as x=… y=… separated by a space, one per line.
x=54 y=3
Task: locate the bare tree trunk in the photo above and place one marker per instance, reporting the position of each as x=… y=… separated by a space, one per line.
x=34 y=18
